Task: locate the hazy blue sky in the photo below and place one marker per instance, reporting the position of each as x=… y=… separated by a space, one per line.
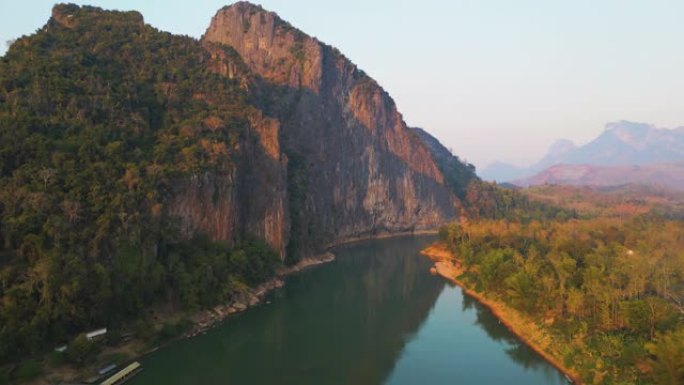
x=492 y=79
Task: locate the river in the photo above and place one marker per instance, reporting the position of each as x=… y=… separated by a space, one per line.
x=373 y=316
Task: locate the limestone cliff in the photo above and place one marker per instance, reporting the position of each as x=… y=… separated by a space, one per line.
x=249 y=200
x=125 y=148
x=353 y=167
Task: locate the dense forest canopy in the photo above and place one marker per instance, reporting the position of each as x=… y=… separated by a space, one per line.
x=100 y=114
x=485 y=200
x=610 y=290
x=623 y=201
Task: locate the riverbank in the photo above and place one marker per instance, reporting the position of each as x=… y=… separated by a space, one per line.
x=382 y=235
x=194 y=324
x=207 y=319
x=448 y=266
x=200 y=322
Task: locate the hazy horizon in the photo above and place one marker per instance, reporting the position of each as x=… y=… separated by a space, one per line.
x=495 y=80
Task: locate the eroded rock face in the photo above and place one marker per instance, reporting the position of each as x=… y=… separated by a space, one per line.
x=353 y=167
x=248 y=200
x=269 y=46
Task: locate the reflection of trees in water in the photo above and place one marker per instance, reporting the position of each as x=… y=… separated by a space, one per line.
x=517 y=350
x=468 y=301
x=396 y=293
x=347 y=322
x=342 y=323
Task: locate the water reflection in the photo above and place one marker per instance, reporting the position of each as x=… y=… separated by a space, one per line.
x=342 y=323
x=373 y=316
x=517 y=350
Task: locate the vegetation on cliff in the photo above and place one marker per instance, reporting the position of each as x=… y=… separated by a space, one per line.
x=481 y=199
x=102 y=118
x=485 y=200
x=457 y=173
x=100 y=115
x=609 y=292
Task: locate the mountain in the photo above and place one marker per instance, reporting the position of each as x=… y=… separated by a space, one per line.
x=627 y=143
x=670 y=175
x=557 y=153
x=622 y=143
x=502 y=172
x=140 y=168
x=457 y=174
x=359 y=169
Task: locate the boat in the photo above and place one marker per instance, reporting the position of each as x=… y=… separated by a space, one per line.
x=123 y=375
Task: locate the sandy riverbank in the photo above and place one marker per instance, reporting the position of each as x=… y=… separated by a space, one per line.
x=448 y=266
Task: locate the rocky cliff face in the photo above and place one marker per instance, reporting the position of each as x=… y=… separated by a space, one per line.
x=124 y=147
x=457 y=173
x=353 y=167
x=249 y=200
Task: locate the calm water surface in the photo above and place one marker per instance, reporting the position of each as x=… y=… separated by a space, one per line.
x=374 y=316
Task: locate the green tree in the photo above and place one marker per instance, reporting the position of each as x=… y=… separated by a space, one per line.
x=668 y=362
x=81 y=351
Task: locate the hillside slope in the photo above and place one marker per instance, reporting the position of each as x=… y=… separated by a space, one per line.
x=140 y=168
x=669 y=175
x=457 y=174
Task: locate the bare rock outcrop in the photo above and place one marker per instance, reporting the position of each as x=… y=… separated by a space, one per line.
x=354 y=169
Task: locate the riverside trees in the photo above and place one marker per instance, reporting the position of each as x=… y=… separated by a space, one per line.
x=610 y=289
x=100 y=116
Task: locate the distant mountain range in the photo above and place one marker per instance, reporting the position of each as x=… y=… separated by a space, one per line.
x=621 y=144
x=670 y=175
x=505 y=172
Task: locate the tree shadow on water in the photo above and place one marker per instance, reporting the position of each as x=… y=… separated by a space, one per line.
x=517 y=351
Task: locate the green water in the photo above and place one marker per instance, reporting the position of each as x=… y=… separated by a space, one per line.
x=374 y=316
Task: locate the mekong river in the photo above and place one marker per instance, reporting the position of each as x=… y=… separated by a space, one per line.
x=373 y=316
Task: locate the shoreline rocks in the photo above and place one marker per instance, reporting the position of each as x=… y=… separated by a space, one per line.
x=306 y=263
x=207 y=319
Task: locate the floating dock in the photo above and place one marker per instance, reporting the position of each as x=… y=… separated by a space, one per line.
x=124 y=374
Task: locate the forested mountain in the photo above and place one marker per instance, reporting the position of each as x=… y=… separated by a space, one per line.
x=355 y=168
x=457 y=174
x=138 y=167
x=102 y=120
